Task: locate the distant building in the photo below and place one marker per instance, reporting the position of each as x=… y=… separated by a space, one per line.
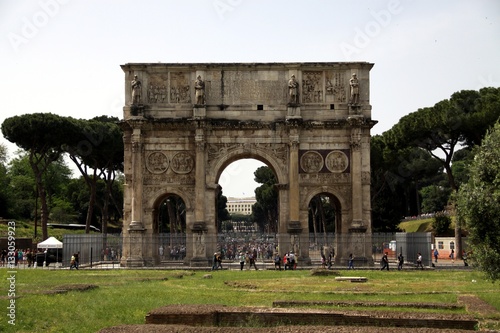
x=240 y=205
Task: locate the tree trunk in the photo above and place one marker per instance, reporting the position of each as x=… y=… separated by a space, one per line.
x=44 y=211
x=91 y=182
x=42 y=194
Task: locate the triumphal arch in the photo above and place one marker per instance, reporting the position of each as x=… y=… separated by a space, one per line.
x=184 y=123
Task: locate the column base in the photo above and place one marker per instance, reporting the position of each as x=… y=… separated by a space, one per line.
x=132 y=262
x=200 y=262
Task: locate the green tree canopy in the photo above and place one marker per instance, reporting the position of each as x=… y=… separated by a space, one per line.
x=41 y=135
x=397 y=176
x=98 y=154
x=479 y=205
x=461 y=120
x=265 y=210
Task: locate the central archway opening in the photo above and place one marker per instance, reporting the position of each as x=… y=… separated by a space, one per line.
x=249 y=222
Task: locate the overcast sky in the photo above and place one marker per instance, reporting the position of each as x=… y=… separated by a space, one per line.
x=64 y=56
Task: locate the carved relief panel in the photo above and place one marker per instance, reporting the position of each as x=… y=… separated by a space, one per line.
x=157 y=162
x=335 y=87
x=157 y=89
x=182 y=163
x=179 y=88
x=311 y=162
x=312 y=87
x=324 y=161
x=169 y=167
x=336 y=161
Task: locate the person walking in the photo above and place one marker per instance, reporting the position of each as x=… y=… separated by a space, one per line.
x=292 y=260
x=419 y=260
x=452 y=256
x=385 y=262
x=214 y=262
x=330 y=260
x=252 y=261
x=401 y=261
x=77 y=259
x=436 y=254
x=242 y=261
x=277 y=262
x=350 y=262
x=72 y=262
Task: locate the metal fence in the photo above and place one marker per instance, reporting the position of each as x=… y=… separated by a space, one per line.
x=95 y=249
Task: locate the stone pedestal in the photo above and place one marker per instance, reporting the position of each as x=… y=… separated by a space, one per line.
x=359 y=243
x=293 y=111
x=199 y=111
x=135 y=245
x=354 y=109
x=198 y=242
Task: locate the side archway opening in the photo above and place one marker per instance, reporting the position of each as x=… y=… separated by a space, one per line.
x=170 y=227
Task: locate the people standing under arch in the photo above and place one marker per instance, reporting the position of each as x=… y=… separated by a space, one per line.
x=242 y=261
x=252 y=261
x=277 y=262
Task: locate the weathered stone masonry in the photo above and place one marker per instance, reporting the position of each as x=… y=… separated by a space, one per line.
x=309 y=122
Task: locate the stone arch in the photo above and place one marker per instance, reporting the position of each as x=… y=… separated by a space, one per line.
x=175 y=146
x=158 y=197
x=340 y=198
x=263 y=155
x=242 y=153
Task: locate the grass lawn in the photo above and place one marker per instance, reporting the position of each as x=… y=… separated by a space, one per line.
x=126 y=296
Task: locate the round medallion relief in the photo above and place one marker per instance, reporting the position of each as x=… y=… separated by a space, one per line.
x=337 y=161
x=157 y=162
x=182 y=163
x=311 y=162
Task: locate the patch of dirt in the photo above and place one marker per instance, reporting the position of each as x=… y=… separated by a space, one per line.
x=236 y=284
x=279 y=329
x=324 y=272
x=474 y=304
x=70 y=287
x=369 y=304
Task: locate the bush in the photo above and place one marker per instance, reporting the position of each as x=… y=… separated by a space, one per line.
x=441 y=223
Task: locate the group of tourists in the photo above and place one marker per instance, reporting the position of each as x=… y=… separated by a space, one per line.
x=21 y=257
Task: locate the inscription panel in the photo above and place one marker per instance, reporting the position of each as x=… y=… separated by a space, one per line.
x=246 y=87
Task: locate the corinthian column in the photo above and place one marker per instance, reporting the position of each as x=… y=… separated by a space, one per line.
x=200 y=186
x=293 y=174
x=357 y=190
x=137 y=185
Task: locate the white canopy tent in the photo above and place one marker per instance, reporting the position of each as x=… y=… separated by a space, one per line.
x=50 y=243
